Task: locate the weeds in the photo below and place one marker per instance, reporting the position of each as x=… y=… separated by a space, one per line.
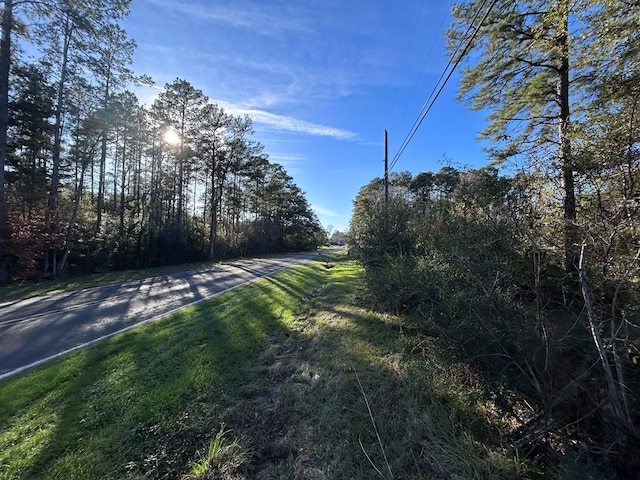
x=375 y=428
x=205 y=466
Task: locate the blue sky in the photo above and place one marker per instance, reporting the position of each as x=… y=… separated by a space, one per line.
x=322 y=80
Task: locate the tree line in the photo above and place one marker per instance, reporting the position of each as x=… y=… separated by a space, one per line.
x=91 y=179
x=529 y=266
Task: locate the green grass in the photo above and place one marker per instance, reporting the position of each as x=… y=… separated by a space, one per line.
x=298 y=374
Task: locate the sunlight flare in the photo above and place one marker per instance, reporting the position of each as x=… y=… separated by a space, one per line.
x=171 y=137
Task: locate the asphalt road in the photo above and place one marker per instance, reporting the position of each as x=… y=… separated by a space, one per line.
x=38 y=329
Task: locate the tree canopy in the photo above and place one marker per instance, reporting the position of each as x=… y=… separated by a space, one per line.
x=94 y=180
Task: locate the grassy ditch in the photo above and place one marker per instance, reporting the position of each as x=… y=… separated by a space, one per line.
x=285 y=378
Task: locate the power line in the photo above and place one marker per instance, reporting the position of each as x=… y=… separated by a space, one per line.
x=426 y=107
x=406 y=57
x=426 y=61
x=466 y=35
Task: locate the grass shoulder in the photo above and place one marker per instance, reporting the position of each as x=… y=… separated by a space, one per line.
x=285 y=378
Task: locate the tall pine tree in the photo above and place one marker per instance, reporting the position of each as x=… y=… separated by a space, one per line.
x=522 y=72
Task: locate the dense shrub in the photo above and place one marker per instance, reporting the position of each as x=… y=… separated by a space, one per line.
x=478 y=260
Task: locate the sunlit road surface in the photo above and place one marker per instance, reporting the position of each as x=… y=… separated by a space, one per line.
x=38 y=329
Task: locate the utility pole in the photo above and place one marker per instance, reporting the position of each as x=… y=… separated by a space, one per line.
x=386 y=171
x=386 y=183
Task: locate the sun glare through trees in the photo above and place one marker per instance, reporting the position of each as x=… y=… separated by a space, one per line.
x=171 y=137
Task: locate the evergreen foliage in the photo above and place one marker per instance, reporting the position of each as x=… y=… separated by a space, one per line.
x=94 y=181
x=532 y=274
x=475 y=257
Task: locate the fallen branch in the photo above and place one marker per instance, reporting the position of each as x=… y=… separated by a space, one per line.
x=622 y=418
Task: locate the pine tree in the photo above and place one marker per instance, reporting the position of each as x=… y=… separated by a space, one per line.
x=522 y=71
x=5 y=65
x=179 y=109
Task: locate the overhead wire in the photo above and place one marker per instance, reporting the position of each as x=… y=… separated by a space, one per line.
x=426 y=106
x=466 y=36
x=424 y=66
x=435 y=93
x=406 y=57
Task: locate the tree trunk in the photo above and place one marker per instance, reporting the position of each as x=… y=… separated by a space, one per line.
x=621 y=416
x=181 y=180
x=214 y=213
x=57 y=144
x=103 y=161
x=101 y=181
x=569 y=214
x=123 y=182
x=74 y=216
x=5 y=66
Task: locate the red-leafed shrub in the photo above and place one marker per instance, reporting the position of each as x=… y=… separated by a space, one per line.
x=30 y=239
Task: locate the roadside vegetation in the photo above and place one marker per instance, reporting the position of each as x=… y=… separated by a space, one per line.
x=530 y=265
x=289 y=377
x=93 y=181
x=475 y=258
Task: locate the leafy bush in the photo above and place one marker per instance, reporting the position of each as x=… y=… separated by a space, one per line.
x=477 y=260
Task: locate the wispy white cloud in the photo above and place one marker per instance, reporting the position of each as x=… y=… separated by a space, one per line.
x=258 y=19
x=267 y=120
x=297 y=59
x=325 y=211
x=291 y=124
x=272 y=56
x=294 y=164
x=288 y=124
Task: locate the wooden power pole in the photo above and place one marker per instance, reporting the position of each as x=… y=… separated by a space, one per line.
x=386 y=171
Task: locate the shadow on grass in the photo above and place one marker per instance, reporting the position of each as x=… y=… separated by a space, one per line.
x=282 y=363
x=313 y=420
x=392 y=406
x=142 y=403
